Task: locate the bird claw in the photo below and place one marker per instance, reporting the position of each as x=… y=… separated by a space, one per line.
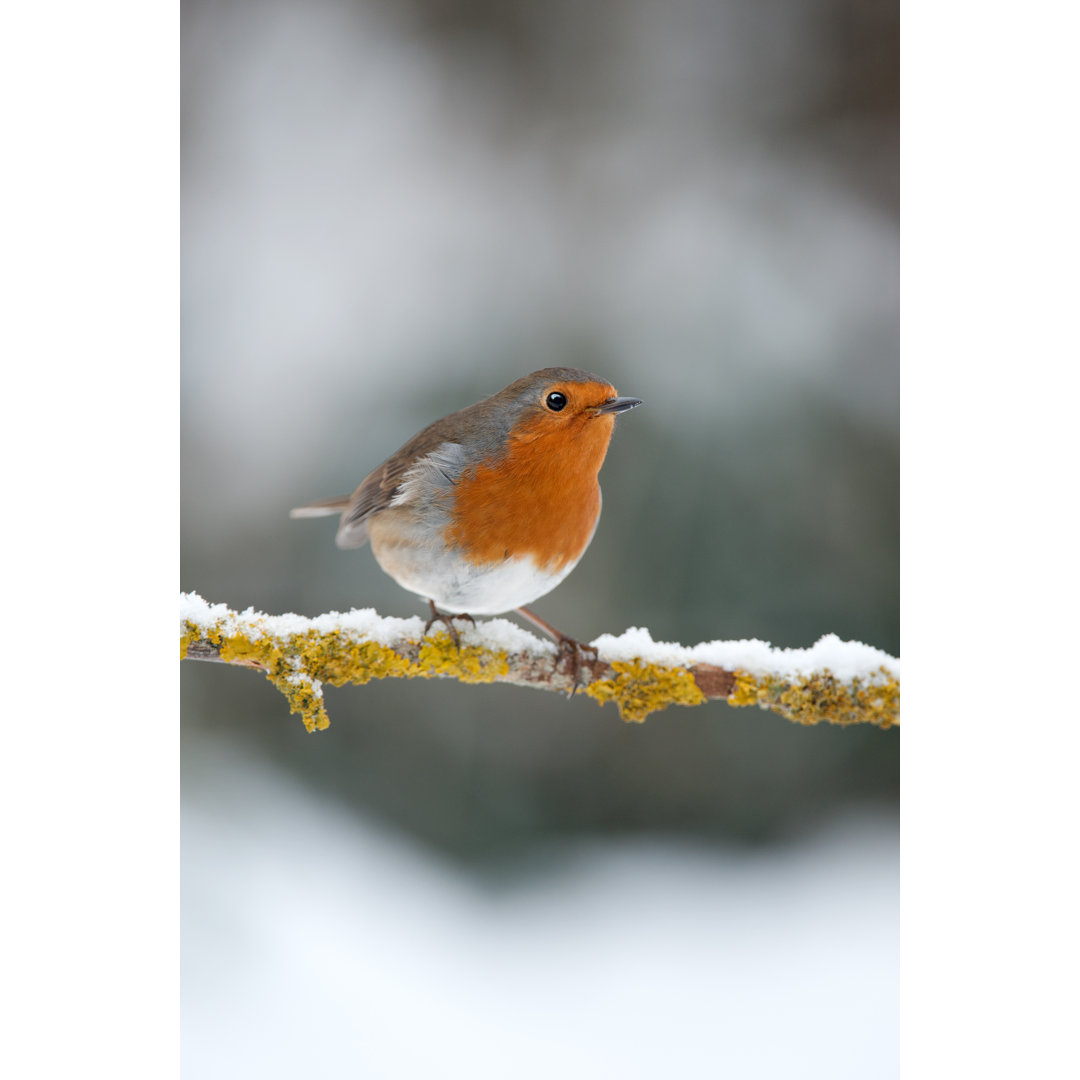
x=573 y=654
x=447 y=621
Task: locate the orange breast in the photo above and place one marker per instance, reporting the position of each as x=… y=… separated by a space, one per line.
x=541 y=498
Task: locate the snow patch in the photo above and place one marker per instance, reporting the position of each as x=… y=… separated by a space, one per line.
x=845 y=659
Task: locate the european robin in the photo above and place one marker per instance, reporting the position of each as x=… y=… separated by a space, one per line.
x=490 y=507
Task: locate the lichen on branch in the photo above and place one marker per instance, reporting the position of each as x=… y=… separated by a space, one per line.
x=833 y=682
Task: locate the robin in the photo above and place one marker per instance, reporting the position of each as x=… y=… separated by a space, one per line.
x=489 y=508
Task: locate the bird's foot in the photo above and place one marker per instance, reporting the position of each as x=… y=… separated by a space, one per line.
x=447 y=621
x=578 y=660
x=569 y=652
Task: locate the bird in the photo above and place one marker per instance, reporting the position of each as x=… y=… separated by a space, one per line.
x=489 y=508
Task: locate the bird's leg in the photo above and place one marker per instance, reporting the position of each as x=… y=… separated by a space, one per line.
x=571 y=652
x=447 y=621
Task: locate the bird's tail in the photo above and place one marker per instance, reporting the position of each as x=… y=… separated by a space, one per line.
x=322 y=508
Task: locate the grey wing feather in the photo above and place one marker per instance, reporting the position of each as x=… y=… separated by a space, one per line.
x=418 y=470
x=374 y=493
x=425 y=467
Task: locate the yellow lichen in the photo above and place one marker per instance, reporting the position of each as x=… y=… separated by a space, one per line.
x=304 y=696
x=639 y=689
x=439 y=656
x=239 y=649
x=298 y=665
x=822 y=698
x=339 y=659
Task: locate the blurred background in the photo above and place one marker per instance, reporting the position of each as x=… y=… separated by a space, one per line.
x=391 y=210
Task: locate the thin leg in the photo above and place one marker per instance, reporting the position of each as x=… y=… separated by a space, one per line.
x=548 y=629
x=447 y=621
x=571 y=652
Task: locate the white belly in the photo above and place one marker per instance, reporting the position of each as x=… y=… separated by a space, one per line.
x=459 y=587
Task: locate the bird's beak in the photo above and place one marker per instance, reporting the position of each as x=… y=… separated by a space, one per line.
x=617 y=405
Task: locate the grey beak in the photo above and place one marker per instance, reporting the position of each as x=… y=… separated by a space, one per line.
x=619 y=404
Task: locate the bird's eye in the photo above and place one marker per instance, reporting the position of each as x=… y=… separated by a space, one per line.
x=556 y=402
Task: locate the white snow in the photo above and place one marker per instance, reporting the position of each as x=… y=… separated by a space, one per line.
x=361 y=622
x=845 y=659
x=317 y=944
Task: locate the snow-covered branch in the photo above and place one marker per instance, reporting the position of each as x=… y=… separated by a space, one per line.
x=838 y=682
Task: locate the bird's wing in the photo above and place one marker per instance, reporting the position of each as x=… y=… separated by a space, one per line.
x=426 y=462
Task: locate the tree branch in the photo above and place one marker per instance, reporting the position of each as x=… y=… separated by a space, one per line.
x=837 y=682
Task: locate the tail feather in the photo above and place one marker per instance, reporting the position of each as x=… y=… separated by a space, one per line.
x=322 y=508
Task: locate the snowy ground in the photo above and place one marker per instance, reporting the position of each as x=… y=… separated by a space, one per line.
x=318 y=945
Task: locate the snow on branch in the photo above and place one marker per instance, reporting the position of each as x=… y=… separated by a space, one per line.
x=834 y=681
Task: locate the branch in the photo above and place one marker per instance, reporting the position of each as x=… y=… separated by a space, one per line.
x=836 y=682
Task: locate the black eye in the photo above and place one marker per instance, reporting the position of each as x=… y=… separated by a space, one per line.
x=556 y=402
